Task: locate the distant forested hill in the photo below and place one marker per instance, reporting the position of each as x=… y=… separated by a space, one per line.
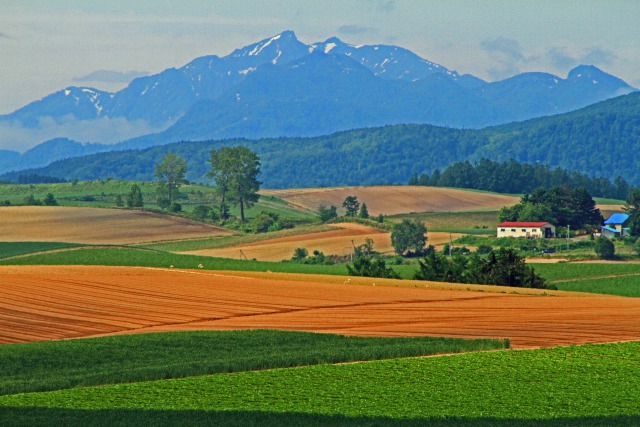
x=600 y=140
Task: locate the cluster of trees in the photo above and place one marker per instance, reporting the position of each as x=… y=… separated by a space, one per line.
x=235 y=172
x=49 y=200
x=504 y=267
x=558 y=205
x=514 y=177
x=301 y=255
x=353 y=209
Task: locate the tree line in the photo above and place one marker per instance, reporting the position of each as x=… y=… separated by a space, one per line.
x=559 y=205
x=513 y=177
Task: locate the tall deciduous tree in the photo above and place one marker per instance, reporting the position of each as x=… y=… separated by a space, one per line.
x=170 y=171
x=351 y=205
x=235 y=171
x=633 y=208
x=409 y=236
x=134 y=198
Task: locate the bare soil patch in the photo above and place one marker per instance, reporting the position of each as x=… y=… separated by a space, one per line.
x=393 y=200
x=96 y=226
x=335 y=242
x=43 y=303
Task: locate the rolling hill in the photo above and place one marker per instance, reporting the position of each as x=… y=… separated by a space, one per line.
x=599 y=140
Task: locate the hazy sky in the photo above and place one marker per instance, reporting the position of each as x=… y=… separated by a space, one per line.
x=48 y=45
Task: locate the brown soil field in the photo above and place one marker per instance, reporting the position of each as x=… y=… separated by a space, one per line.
x=335 y=242
x=44 y=303
x=96 y=226
x=393 y=200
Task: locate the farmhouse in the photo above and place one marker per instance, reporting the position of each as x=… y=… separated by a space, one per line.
x=616 y=226
x=533 y=230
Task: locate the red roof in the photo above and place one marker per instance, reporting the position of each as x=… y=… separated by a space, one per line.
x=522 y=224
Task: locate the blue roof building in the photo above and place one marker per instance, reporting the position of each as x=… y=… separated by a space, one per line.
x=616 y=225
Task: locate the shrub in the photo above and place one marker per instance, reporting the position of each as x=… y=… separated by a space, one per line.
x=327 y=213
x=371 y=268
x=605 y=249
x=483 y=249
x=50 y=200
x=201 y=213
x=299 y=254
x=30 y=200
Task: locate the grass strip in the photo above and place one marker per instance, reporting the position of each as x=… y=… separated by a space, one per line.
x=11 y=249
x=64 y=364
x=149 y=258
x=567 y=271
x=626 y=286
x=590 y=384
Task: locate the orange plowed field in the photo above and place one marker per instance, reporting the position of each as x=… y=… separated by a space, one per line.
x=95 y=226
x=335 y=242
x=392 y=200
x=44 y=303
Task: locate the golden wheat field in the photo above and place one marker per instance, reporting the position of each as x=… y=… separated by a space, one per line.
x=393 y=200
x=96 y=226
x=335 y=242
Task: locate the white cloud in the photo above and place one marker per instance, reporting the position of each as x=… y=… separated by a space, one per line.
x=14 y=136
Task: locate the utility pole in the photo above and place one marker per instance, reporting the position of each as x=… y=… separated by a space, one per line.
x=568 y=229
x=450 y=244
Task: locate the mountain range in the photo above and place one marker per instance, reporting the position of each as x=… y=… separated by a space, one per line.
x=598 y=140
x=282 y=87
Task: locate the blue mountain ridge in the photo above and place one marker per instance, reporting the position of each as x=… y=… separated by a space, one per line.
x=283 y=87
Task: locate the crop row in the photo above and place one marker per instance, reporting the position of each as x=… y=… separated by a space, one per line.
x=591 y=382
x=118 y=359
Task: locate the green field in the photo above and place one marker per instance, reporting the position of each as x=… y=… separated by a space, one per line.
x=599 y=278
x=568 y=271
x=11 y=249
x=103 y=193
x=123 y=256
x=64 y=364
x=483 y=222
x=583 y=385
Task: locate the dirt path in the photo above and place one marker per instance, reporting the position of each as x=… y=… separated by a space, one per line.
x=43 y=303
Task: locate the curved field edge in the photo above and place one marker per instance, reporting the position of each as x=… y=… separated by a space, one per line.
x=13 y=249
x=557 y=274
x=55 y=365
x=599 y=383
x=227 y=241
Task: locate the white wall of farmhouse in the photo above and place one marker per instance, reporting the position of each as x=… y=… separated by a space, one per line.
x=532 y=232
